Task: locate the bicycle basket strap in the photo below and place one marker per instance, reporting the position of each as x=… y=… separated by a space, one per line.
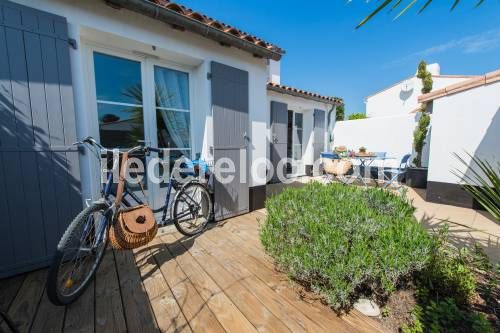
x=121 y=183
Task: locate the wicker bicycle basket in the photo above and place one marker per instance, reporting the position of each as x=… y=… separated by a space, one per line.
x=134 y=227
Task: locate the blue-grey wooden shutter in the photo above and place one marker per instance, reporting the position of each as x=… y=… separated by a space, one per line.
x=279 y=134
x=39 y=169
x=319 y=135
x=230 y=125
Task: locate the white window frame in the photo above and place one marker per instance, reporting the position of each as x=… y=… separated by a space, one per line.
x=147 y=80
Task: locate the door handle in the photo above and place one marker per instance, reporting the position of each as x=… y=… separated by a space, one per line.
x=275 y=139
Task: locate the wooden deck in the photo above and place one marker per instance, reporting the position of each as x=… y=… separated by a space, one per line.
x=221 y=281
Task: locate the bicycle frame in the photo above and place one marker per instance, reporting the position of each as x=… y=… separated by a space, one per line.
x=113 y=198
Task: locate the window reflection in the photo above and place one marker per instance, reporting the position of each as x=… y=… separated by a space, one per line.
x=297 y=151
x=119 y=100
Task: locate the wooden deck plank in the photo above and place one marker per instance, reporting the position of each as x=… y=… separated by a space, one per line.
x=196 y=311
x=49 y=317
x=9 y=289
x=253 y=221
x=138 y=311
x=280 y=305
x=109 y=315
x=166 y=310
x=24 y=306
x=222 y=280
x=226 y=312
x=259 y=263
x=80 y=314
x=253 y=309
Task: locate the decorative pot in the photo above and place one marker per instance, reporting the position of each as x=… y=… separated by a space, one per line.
x=416 y=177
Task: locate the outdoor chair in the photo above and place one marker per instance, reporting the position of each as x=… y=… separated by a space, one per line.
x=393 y=176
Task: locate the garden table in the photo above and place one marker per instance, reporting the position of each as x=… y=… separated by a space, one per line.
x=366 y=161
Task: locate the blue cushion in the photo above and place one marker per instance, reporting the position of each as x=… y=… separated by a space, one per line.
x=333 y=156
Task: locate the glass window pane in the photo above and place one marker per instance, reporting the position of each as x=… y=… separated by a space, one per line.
x=169 y=159
x=117 y=79
x=120 y=126
x=298 y=120
x=173 y=129
x=297 y=152
x=172 y=88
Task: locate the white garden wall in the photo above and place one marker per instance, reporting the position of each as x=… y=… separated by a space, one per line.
x=393 y=135
x=468 y=121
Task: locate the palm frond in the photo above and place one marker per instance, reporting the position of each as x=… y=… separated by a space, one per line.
x=479 y=3
x=398 y=3
x=405 y=9
x=424 y=6
x=372 y=14
x=454 y=5
x=481 y=180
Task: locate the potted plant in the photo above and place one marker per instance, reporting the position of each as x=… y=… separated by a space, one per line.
x=416 y=175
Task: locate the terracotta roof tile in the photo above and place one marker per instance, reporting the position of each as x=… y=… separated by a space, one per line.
x=303 y=93
x=189 y=13
x=474 y=82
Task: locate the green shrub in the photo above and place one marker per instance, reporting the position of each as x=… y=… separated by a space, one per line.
x=340 y=112
x=342 y=240
x=356 y=116
x=419 y=136
x=448 y=274
x=425 y=76
x=446 y=316
x=427 y=84
x=444 y=289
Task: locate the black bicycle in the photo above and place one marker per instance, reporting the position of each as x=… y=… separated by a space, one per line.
x=83 y=244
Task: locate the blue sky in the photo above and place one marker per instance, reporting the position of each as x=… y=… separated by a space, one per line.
x=325 y=54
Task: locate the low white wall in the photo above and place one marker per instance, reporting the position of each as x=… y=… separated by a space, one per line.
x=465 y=122
x=393 y=135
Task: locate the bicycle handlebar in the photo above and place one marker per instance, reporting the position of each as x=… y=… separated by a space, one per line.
x=92 y=142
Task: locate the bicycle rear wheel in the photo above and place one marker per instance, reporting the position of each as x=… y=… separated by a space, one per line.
x=192 y=209
x=78 y=255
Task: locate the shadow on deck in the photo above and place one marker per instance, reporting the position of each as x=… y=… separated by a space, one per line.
x=221 y=281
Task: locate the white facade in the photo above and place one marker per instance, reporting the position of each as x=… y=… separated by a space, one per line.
x=126 y=34
x=306 y=108
x=402 y=97
x=468 y=121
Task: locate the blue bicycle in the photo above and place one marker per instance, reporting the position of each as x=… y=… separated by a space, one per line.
x=83 y=245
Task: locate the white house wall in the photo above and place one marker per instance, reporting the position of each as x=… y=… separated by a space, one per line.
x=468 y=121
x=306 y=107
x=92 y=22
x=393 y=101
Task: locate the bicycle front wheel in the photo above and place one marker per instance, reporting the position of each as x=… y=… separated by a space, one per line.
x=78 y=255
x=192 y=209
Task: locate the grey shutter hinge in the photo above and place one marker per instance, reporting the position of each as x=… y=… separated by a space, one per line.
x=73 y=43
x=209 y=76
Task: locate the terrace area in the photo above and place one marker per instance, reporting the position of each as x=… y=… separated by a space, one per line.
x=220 y=281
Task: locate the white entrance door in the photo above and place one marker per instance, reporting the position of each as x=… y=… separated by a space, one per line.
x=140 y=99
